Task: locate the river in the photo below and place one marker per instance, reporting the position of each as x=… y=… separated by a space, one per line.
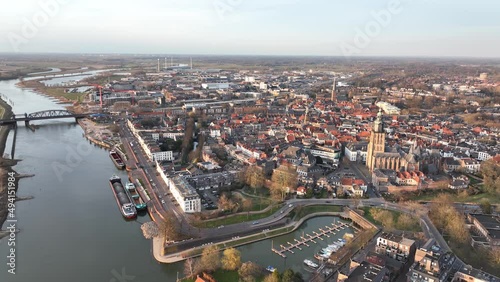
x=72 y=230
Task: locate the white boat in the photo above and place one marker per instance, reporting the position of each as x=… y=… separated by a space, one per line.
x=270 y=269
x=310 y=263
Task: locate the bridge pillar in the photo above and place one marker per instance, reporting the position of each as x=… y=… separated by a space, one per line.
x=27 y=123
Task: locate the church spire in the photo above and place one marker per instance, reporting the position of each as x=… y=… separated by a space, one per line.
x=378 y=125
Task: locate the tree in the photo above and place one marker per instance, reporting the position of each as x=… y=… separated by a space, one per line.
x=226 y=203
x=254 y=177
x=187 y=141
x=210 y=258
x=486 y=206
x=190 y=267
x=169 y=228
x=448 y=219
x=491 y=176
x=406 y=222
x=356 y=200
x=290 y=276
x=247 y=205
x=284 y=179
x=384 y=217
x=248 y=271
x=150 y=230
x=231 y=259
x=495 y=256
x=273 y=277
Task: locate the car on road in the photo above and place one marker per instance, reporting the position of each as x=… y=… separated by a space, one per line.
x=162 y=201
x=290 y=205
x=255 y=222
x=222 y=226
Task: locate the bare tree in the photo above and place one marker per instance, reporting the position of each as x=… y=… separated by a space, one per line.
x=248 y=271
x=169 y=228
x=284 y=179
x=210 y=258
x=190 y=267
x=150 y=230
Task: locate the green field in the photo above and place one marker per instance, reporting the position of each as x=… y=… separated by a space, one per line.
x=233 y=219
x=415 y=227
x=314 y=209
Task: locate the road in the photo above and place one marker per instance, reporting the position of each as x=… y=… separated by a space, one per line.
x=161 y=203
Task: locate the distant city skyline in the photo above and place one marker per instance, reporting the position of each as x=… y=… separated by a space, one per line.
x=415 y=28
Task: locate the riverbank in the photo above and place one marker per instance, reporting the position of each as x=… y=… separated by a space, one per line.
x=5 y=164
x=57 y=94
x=232 y=243
x=98 y=134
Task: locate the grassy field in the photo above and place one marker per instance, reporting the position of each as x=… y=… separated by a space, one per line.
x=233 y=219
x=314 y=209
x=56 y=92
x=414 y=227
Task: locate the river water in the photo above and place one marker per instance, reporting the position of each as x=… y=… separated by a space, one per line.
x=72 y=230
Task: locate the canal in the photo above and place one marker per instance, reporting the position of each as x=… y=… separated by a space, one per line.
x=72 y=230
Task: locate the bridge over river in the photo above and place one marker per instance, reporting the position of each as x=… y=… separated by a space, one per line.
x=41 y=115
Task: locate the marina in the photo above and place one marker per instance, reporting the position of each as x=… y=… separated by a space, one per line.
x=304 y=240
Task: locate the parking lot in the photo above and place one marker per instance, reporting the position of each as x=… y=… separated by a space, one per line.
x=209 y=199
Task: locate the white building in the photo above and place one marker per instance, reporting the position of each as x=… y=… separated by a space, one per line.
x=356 y=151
x=326 y=153
x=184 y=194
x=163 y=156
x=388 y=108
x=249 y=79
x=483 y=156
x=471 y=165
x=216 y=86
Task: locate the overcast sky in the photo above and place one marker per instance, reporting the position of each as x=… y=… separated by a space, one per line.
x=257 y=27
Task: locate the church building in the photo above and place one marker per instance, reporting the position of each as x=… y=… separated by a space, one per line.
x=380 y=156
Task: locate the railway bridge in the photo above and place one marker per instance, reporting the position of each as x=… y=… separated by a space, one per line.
x=41 y=115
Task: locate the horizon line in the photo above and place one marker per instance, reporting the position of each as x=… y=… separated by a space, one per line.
x=253 y=55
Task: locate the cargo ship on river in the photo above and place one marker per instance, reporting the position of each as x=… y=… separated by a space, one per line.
x=122 y=198
x=117 y=159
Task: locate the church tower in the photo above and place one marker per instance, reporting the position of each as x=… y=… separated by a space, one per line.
x=334 y=90
x=377 y=141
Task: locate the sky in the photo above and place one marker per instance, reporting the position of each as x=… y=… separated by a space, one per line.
x=421 y=28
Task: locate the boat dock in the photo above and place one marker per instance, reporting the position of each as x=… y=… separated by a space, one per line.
x=304 y=240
